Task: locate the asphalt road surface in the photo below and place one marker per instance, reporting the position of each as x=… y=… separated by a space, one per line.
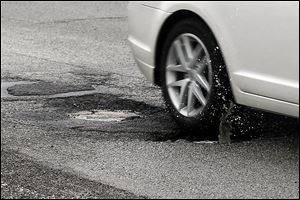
x=78 y=120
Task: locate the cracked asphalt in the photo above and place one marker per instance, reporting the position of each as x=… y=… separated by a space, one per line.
x=62 y=58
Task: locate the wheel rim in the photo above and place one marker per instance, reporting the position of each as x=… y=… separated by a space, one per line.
x=188 y=75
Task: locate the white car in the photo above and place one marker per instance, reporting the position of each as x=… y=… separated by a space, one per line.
x=205 y=54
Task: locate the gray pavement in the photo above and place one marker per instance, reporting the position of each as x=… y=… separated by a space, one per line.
x=74 y=57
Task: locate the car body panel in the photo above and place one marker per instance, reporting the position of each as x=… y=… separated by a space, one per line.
x=259 y=42
x=143 y=33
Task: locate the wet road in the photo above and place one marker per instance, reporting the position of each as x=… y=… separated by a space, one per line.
x=74 y=58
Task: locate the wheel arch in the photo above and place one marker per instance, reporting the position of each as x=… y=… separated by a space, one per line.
x=167 y=25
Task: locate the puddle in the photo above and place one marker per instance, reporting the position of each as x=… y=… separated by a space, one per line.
x=104 y=115
x=6 y=85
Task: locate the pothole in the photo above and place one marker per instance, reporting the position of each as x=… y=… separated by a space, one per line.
x=52 y=90
x=104 y=115
x=47 y=88
x=6 y=85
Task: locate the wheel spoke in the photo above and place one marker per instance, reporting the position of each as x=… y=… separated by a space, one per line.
x=198 y=94
x=180 y=83
x=202 y=81
x=188 y=47
x=182 y=95
x=179 y=52
x=176 y=68
x=190 y=102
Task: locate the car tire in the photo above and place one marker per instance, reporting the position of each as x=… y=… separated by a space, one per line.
x=205 y=121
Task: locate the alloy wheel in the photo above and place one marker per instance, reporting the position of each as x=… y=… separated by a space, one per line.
x=188 y=74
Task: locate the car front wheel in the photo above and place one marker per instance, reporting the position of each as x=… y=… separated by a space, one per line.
x=194 y=79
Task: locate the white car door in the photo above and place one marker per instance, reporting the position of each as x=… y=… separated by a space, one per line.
x=266 y=37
